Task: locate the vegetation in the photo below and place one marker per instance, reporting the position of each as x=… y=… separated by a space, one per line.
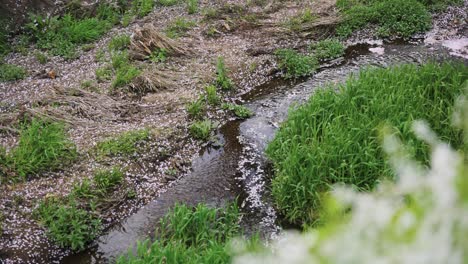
x=294 y=23
x=196 y=108
x=158 y=55
x=192 y=6
x=120 y=42
x=239 y=110
x=190 y=235
x=328 y=49
x=201 y=129
x=10 y=72
x=42 y=145
x=142 y=7
x=222 y=79
x=294 y=64
x=212 y=95
x=401 y=18
x=333 y=138
x=169 y=2
x=179 y=27
x=125 y=72
x=124 y=144
x=67 y=224
x=41 y=57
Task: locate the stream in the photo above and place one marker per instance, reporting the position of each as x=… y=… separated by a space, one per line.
x=237 y=167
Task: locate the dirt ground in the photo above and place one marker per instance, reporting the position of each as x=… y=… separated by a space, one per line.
x=94 y=113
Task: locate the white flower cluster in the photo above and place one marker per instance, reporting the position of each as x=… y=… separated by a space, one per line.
x=420 y=218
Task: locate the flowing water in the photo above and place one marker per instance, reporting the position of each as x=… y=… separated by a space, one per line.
x=237 y=167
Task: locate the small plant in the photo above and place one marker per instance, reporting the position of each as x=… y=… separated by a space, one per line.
x=179 y=27
x=196 y=108
x=238 y=110
x=192 y=6
x=100 y=55
x=119 y=42
x=222 y=79
x=124 y=144
x=127 y=18
x=41 y=57
x=10 y=72
x=295 y=22
x=142 y=7
x=125 y=75
x=158 y=55
x=201 y=129
x=103 y=74
x=328 y=49
x=68 y=225
x=295 y=64
x=105 y=180
x=42 y=145
x=212 y=95
x=168 y=2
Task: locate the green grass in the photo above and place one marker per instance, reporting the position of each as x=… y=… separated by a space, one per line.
x=401 y=18
x=124 y=144
x=334 y=138
x=294 y=23
x=41 y=57
x=142 y=7
x=196 y=108
x=179 y=27
x=120 y=42
x=103 y=74
x=10 y=72
x=294 y=64
x=238 y=110
x=125 y=72
x=42 y=146
x=67 y=224
x=328 y=49
x=190 y=235
x=168 y=2
x=158 y=55
x=212 y=96
x=201 y=129
x=222 y=79
x=192 y=6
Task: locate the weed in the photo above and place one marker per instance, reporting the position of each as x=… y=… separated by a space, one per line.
x=125 y=75
x=4 y=43
x=401 y=18
x=190 y=235
x=120 y=42
x=179 y=27
x=105 y=180
x=68 y=225
x=142 y=7
x=41 y=57
x=42 y=145
x=210 y=13
x=295 y=64
x=196 y=108
x=103 y=74
x=222 y=79
x=295 y=22
x=100 y=55
x=158 y=55
x=239 y=110
x=127 y=18
x=10 y=72
x=328 y=49
x=86 y=84
x=333 y=138
x=124 y=144
x=201 y=129
x=119 y=59
x=192 y=6
x=169 y=2
x=212 y=95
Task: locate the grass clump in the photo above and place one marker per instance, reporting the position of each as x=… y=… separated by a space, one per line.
x=294 y=64
x=334 y=137
x=212 y=95
x=201 y=129
x=192 y=6
x=238 y=110
x=124 y=144
x=222 y=79
x=328 y=49
x=142 y=7
x=190 y=235
x=294 y=23
x=42 y=145
x=179 y=27
x=10 y=72
x=196 y=108
x=120 y=42
x=401 y=18
x=168 y=2
x=41 y=57
x=158 y=55
x=67 y=224
x=125 y=72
